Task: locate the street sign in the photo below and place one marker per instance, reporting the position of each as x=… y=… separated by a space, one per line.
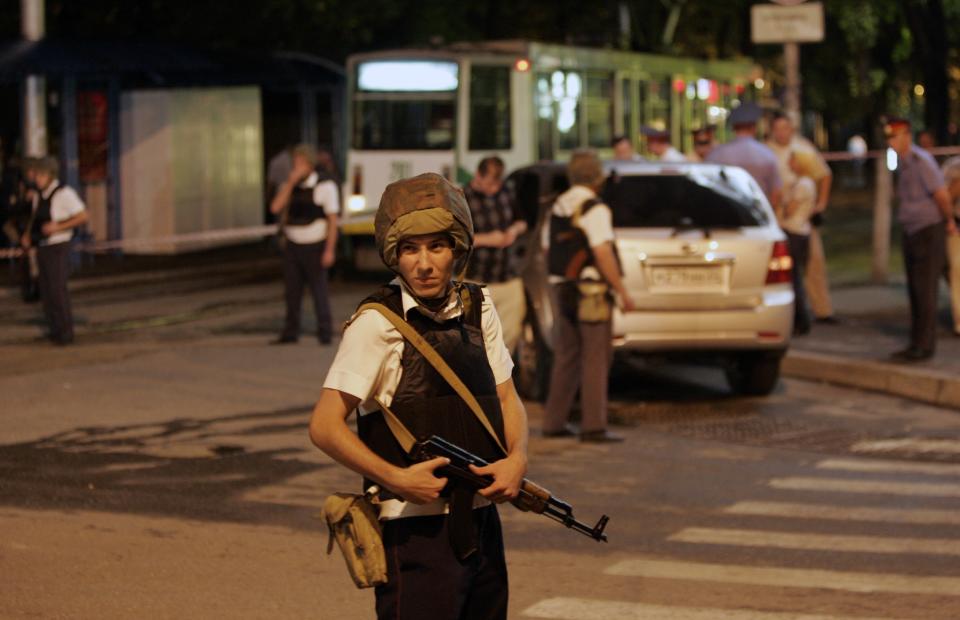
x=801 y=23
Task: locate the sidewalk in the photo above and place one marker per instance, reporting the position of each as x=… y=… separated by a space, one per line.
x=874 y=322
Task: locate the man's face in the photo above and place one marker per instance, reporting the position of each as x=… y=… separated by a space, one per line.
x=900 y=141
x=657 y=147
x=425 y=263
x=491 y=182
x=623 y=150
x=782 y=131
x=42 y=178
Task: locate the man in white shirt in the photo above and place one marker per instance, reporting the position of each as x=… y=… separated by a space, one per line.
x=308 y=203
x=658 y=143
x=444 y=546
x=580 y=250
x=57 y=211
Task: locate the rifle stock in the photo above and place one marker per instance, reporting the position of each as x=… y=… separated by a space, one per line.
x=533 y=497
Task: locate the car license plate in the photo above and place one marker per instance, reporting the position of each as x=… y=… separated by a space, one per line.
x=688 y=278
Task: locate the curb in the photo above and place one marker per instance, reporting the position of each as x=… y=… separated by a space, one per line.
x=919 y=384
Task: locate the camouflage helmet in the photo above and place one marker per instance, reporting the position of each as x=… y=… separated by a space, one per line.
x=423 y=205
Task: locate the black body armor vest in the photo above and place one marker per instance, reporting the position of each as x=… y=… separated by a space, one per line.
x=569 y=252
x=302 y=210
x=424 y=401
x=42 y=215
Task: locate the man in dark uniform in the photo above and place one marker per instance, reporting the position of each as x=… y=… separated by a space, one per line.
x=308 y=204
x=749 y=153
x=445 y=557
x=926 y=215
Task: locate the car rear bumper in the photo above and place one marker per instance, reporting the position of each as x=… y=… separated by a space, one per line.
x=764 y=327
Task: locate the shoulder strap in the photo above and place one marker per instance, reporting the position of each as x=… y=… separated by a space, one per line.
x=418 y=341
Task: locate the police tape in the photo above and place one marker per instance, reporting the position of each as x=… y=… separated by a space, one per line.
x=225 y=234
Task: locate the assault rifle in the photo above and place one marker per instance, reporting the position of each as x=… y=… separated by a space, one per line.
x=532 y=498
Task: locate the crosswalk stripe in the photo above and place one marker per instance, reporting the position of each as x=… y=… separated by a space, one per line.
x=883 y=487
x=826 y=542
x=867 y=465
x=912 y=444
x=844 y=513
x=570 y=608
x=786 y=577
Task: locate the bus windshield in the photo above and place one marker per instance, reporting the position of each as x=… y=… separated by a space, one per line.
x=405 y=105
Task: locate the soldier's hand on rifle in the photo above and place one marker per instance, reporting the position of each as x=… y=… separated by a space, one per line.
x=507 y=477
x=418 y=483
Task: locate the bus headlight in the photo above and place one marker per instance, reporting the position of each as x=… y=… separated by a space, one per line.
x=357 y=203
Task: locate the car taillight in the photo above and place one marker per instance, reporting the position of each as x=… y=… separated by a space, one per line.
x=780 y=267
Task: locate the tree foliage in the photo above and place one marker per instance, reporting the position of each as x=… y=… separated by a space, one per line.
x=874 y=53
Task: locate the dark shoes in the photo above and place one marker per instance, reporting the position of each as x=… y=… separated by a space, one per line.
x=284 y=340
x=603 y=436
x=566 y=431
x=912 y=354
x=827 y=320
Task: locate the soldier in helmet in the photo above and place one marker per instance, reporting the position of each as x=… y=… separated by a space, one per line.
x=445 y=556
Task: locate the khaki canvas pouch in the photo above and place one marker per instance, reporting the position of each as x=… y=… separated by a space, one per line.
x=594 y=304
x=355 y=526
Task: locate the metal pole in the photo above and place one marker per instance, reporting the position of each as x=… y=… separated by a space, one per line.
x=791 y=95
x=34 y=92
x=882 y=212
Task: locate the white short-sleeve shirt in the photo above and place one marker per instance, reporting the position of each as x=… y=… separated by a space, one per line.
x=325 y=195
x=368 y=366
x=65 y=204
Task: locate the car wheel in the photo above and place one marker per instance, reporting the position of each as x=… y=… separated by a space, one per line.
x=533 y=361
x=754 y=374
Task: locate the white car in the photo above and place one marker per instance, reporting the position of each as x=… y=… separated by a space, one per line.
x=703 y=259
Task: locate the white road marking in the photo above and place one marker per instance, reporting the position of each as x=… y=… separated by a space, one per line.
x=867 y=465
x=825 y=542
x=569 y=608
x=845 y=513
x=909 y=444
x=786 y=577
x=882 y=487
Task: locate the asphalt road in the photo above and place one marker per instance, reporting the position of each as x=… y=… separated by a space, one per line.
x=161 y=469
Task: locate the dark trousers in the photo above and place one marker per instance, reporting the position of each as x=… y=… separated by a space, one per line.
x=302 y=267
x=54 y=263
x=800 y=254
x=426 y=580
x=581 y=359
x=924 y=253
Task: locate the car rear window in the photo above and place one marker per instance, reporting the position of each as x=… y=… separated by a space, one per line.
x=679 y=202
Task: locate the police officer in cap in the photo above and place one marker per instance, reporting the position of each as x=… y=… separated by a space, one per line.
x=925 y=214
x=444 y=547
x=749 y=153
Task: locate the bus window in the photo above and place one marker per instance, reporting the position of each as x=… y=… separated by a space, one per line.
x=566 y=89
x=489 y=108
x=381 y=124
x=405 y=104
x=599 y=109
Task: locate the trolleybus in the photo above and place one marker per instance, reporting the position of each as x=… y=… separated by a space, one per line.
x=441 y=110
